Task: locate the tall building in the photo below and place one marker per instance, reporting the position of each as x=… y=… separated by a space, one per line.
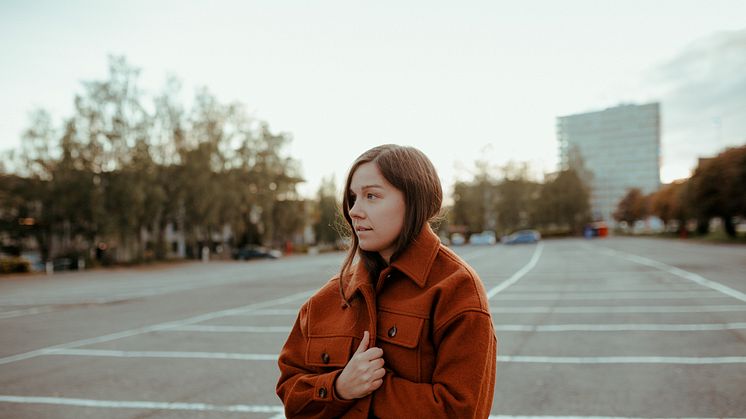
x=612 y=150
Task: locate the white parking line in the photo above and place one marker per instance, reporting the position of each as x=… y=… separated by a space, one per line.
x=689 y=360
x=698 y=279
x=272 y=312
x=622 y=327
x=615 y=327
x=596 y=287
x=518 y=275
x=231 y=329
x=619 y=309
x=162 y=354
x=122 y=404
x=585 y=417
x=612 y=295
x=161 y=326
x=241 y=408
x=501 y=358
x=26 y=312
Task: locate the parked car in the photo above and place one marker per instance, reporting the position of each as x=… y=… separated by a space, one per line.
x=522 y=236
x=485 y=237
x=457 y=239
x=255 y=252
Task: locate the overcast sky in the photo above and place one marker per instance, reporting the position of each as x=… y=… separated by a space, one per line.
x=459 y=80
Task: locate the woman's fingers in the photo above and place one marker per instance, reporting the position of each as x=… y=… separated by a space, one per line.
x=378 y=374
x=372 y=353
x=375 y=384
x=363 y=343
x=377 y=363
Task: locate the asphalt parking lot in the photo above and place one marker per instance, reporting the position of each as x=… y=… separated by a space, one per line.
x=620 y=327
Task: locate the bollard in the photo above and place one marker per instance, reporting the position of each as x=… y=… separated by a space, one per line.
x=205 y=254
x=49 y=267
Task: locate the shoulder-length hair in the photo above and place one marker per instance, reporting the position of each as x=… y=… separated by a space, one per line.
x=410 y=171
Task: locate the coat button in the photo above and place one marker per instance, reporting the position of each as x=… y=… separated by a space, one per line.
x=392 y=331
x=322 y=392
x=325 y=358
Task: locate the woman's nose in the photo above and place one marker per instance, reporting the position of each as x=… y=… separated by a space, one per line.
x=355 y=211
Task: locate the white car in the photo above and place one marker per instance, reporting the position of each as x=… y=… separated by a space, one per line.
x=485 y=237
x=457 y=239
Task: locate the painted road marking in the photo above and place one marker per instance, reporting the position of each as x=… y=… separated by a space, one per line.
x=122 y=404
x=614 y=327
x=602 y=288
x=613 y=295
x=698 y=279
x=622 y=327
x=689 y=360
x=26 y=312
x=157 y=327
x=231 y=329
x=518 y=275
x=272 y=312
x=162 y=354
x=242 y=408
x=693 y=360
x=620 y=309
x=584 y=417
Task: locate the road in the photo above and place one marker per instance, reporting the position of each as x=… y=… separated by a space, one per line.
x=620 y=327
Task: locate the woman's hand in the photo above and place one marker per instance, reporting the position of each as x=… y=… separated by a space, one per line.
x=363 y=374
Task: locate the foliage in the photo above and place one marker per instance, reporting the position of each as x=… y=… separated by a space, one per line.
x=717 y=189
x=633 y=207
x=509 y=200
x=123 y=168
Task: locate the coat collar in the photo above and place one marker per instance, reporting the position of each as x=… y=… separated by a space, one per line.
x=415 y=262
x=418 y=258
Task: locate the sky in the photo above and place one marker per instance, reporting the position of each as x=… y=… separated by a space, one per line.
x=462 y=81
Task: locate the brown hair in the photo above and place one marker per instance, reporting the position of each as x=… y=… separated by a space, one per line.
x=410 y=171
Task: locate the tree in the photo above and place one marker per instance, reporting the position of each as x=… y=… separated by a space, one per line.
x=328 y=216
x=563 y=202
x=667 y=203
x=717 y=189
x=117 y=174
x=632 y=207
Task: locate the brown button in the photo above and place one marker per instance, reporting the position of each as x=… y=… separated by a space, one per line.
x=325 y=358
x=322 y=392
x=392 y=331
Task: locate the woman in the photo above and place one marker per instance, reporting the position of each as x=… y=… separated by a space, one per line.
x=404 y=332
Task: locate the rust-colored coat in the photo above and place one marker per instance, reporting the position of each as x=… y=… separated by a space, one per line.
x=430 y=315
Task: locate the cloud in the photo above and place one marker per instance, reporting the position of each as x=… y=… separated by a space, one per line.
x=703 y=97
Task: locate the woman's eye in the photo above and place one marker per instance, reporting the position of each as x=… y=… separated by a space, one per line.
x=371 y=196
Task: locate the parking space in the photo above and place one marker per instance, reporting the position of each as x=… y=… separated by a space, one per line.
x=585 y=329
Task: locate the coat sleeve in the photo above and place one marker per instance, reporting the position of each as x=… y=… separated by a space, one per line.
x=463 y=380
x=305 y=391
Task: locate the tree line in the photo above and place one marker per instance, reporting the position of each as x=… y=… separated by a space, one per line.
x=505 y=199
x=126 y=172
x=716 y=189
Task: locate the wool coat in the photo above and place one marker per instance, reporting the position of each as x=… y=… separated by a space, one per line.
x=429 y=313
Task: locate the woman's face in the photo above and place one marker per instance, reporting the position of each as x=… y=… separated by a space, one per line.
x=376 y=209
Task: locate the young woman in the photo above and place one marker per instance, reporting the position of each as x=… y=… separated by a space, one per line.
x=406 y=331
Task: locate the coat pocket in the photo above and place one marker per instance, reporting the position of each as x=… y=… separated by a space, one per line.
x=399 y=329
x=328 y=351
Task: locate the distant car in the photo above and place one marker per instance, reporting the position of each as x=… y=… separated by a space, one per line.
x=457 y=239
x=522 y=236
x=255 y=252
x=485 y=237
